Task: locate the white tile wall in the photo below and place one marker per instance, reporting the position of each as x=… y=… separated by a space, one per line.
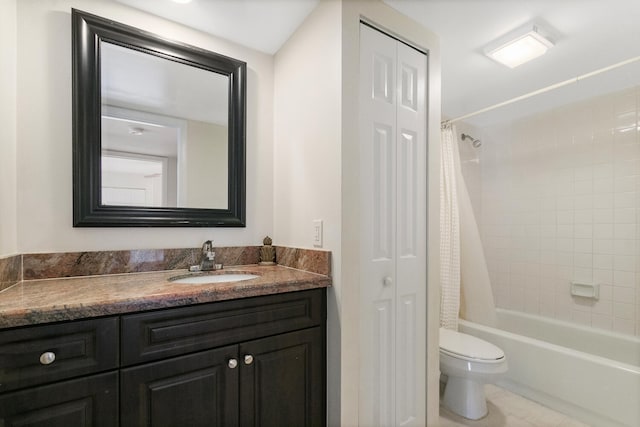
x=557 y=197
x=470 y=164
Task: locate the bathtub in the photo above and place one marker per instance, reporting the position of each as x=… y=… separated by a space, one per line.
x=592 y=375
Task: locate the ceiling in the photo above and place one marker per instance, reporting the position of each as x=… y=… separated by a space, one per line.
x=588 y=35
x=263 y=25
x=151 y=139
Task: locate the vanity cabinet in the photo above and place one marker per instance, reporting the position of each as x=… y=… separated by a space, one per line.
x=245 y=362
x=282 y=380
x=90 y=401
x=242 y=362
x=275 y=381
x=46 y=374
x=194 y=390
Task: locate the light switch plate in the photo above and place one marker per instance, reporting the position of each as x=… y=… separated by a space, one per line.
x=317 y=233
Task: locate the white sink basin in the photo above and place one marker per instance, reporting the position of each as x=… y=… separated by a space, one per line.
x=213 y=278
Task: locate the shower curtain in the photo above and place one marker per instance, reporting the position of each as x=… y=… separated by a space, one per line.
x=464 y=278
x=449 y=233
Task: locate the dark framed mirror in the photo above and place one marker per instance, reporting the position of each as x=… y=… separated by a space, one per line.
x=158 y=130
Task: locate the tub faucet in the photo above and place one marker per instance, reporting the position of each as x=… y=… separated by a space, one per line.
x=207 y=257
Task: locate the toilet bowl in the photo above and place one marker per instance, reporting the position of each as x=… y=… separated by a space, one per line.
x=469 y=363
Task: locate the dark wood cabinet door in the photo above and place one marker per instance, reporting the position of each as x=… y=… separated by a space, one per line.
x=282 y=380
x=200 y=389
x=84 y=402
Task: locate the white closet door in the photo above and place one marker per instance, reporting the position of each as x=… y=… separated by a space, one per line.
x=393 y=231
x=411 y=237
x=377 y=234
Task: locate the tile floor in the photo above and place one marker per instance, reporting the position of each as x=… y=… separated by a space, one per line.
x=510 y=410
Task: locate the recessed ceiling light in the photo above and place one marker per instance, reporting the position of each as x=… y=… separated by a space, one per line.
x=182 y=1
x=521 y=47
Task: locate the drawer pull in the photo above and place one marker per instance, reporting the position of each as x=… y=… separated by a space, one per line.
x=248 y=359
x=47 y=358
x=233 y=363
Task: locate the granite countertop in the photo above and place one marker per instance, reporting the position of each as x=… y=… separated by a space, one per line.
x=51 y=300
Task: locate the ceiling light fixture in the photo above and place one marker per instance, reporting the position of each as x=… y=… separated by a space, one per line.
x=182 y=1
x=522 y=46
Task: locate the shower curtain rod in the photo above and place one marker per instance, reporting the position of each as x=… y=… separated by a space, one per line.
x=445 y=123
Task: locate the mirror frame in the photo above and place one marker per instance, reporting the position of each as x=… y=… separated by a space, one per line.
x=88 y=211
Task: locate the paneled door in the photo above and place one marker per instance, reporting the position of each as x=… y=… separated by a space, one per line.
x=393 y=155
x=282 y=380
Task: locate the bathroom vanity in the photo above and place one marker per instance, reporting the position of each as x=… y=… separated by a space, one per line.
x=246 y=353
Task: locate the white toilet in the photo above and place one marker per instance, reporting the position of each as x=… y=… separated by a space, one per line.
x=469 y=363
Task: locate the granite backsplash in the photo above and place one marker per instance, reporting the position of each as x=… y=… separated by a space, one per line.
x=10 y=271
x=73 y=264
x=304 y=259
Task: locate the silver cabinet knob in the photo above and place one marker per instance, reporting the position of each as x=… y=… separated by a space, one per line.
x=387 y=281
x=47 y=358
x=248 y=359
x=233 y=363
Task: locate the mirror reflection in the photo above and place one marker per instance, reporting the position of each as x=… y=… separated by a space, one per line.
x=165 y=134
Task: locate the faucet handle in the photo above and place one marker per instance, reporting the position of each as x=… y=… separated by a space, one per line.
x=207 y=246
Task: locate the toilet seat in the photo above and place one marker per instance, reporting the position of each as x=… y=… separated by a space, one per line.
x=467 y=347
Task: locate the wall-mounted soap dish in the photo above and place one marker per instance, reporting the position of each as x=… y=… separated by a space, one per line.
x=585 y=290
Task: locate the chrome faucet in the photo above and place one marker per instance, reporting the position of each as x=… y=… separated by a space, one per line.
x=207 y=257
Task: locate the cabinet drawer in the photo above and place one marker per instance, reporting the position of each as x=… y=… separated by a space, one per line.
x=75 y=348
x=83 y=402
x=160 y=334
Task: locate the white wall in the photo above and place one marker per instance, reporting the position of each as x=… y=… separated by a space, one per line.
x=8 y=140
x=207 y=165
x=44 y=131
x=560 y=202
x=300 y=150
x=307 y=157
x=316 y=148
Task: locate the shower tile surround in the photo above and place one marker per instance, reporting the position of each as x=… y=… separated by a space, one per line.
x=558 y=197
